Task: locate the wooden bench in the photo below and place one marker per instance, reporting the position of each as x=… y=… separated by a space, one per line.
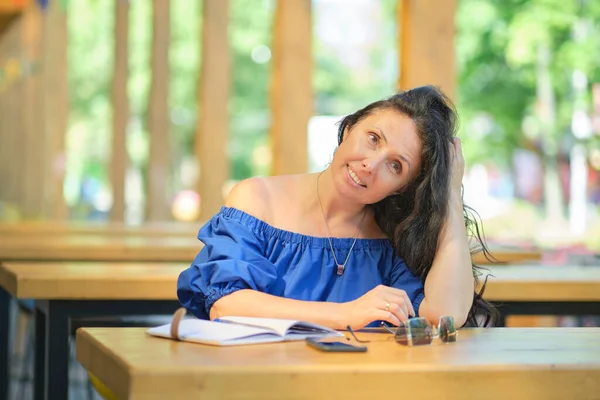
x=544 y=290
x=37 y=228
x=508 y=255
x=99 y=248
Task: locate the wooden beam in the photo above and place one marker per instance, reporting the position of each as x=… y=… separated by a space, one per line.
x=3 y=145
x=11 y=123
x=213 y=94
x=55 y=98
x=4 y=135
x=120 y=107
x=30 y=113
x=426 y=29
x=158 y=208
x=291 y=86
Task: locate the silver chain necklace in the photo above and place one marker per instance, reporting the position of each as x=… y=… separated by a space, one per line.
x=340 y=267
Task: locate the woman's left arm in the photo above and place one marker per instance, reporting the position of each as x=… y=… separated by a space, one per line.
x=450 y=284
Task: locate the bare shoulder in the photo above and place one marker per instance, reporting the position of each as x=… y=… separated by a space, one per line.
x=252 y=196
x=262 y=197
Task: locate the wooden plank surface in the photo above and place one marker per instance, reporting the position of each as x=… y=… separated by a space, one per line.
x=550 y=363
x=99 y=248
x=508 y=283
x=38 y=228
x=543 y=283
x=189 y=230
x=510 y=256
x=91 y=280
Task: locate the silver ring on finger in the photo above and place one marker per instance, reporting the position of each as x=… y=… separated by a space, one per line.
x=387 y=306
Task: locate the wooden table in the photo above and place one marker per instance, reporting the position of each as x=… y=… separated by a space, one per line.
x=543 y=283
x=98 y=248
x=509 y=255
x=67 y=291
x=107 y=231
x=81 y=247
x=74 y=290
x=162 y=229
x=498 y=363
x=544 y=290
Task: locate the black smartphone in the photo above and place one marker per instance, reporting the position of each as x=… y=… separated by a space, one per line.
x=334 y=346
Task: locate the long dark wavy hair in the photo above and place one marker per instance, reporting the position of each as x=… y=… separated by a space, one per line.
x=413 y=219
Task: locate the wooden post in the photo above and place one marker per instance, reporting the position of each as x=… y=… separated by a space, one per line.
x=426 y=29
x=55 y=108
x=3 y=140
x=30 y=114
x=11 y=123
x=158 y=115
x=4 y=133
x=291 y=86
x=213 y=95
x=119 y=161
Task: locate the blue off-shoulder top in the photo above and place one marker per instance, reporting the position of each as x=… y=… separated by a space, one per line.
x=243 y=252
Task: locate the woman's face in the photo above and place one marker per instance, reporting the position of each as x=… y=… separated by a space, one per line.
x=379 y=156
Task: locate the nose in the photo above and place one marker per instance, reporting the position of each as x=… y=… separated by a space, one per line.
x=371 y=163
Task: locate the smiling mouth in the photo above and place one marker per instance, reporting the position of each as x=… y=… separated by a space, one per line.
x=355 y=177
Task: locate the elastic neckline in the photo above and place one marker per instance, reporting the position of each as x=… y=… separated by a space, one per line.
x=268 y=230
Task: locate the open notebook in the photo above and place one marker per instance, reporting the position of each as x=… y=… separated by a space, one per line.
x=230 y=331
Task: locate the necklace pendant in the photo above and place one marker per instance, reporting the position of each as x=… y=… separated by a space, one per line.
x=340 y=269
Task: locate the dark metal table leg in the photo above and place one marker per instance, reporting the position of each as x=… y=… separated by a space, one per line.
x=557 y=308
x=39 y=363
x=57 y=351
x=4 y=345
x=53 y=320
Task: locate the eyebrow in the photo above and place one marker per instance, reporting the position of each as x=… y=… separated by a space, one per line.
x=386 y=142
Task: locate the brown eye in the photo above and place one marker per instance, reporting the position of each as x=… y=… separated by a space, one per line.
x=396 y=167
x=373 y=138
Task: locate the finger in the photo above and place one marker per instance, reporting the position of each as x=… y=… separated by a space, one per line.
x=399 y=293
x=387 y=316
x=399 y=311
x=410 y=306
x=458 y=148
x=398 y=301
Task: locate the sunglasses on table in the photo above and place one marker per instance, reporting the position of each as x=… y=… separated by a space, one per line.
x=418 y=331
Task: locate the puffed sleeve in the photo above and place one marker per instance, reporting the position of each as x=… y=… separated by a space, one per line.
x=231 y=259
x=403 y=278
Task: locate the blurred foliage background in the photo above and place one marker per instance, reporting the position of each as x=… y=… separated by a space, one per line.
x=527 y=73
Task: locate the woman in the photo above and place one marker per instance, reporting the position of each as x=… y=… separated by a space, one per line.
x=380 y=235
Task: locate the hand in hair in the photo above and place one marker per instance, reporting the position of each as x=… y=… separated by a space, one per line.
x=457 y=166
x=383 y=303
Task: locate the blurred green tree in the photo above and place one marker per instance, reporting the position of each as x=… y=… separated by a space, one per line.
x=516 y=61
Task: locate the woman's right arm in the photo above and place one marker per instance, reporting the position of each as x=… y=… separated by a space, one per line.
x=252 y=303
x=358 y=313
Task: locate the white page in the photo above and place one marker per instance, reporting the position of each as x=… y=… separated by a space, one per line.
x=282 y=326
x=204 y=331
x=255 y=339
